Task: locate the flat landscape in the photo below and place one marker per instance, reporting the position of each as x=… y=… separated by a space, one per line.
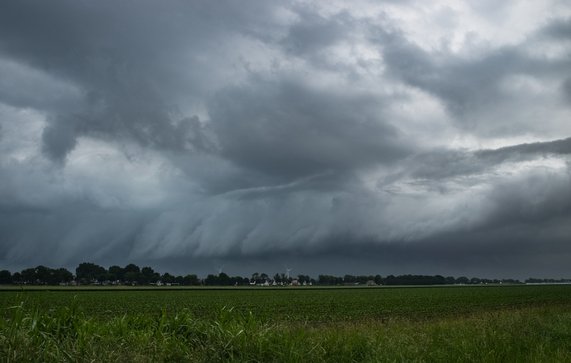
x=454 y=323
x=285 y=181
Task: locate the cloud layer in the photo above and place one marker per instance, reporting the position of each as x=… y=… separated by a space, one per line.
x=383 y=137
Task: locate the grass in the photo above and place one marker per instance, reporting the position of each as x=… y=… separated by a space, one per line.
x=505 y=324
x=315 y=305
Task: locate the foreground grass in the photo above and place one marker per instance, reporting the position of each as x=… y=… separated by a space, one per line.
x=68 y=334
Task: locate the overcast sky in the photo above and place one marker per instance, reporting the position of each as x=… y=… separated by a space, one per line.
x=330 y=137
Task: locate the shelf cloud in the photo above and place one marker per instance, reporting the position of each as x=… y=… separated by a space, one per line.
x=385 y=137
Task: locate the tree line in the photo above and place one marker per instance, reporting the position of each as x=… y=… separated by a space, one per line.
x=409 y=280
x=88 y=273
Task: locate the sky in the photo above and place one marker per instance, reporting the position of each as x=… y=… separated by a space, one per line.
x=334 y=137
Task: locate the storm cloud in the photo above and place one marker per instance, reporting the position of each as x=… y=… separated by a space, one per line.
x=373 y=137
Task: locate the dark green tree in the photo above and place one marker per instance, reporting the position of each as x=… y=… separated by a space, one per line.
x=148 y=275
x=191 y=280
x=17 y=278
x=462 y=280
x=116 y=273
x=132 y=273
x=167 y=278
x=5 y=277
x=29 y=276
x=277 y=278
x=89 y=272
x=211 y=280
x=63 y=275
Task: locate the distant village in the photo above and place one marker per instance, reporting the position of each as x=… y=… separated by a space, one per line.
x=88 y=273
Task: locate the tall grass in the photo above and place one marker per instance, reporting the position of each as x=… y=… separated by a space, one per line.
x=68 y=334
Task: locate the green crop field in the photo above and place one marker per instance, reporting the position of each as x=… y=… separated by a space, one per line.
x=481 y=323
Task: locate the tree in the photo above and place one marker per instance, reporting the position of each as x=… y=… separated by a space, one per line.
x=132 y=273
x=462 y=280
x=167 y=278
x=132 y=277
x=116 y=273
x=223 y=279
x=239 y=280
x=349 y=279
x=303 y=279
x=28 y=276
x=329 y=280
x=49 y=276
x=63 y=275
x=148 y=275
x=17 y=278
x=5 y=277
x=264 y=276
x=277 y=278
x=88 y=272
x=44 y=275
x=190 y=280
x=132 y=268
x=255 y=277
x=211 y=280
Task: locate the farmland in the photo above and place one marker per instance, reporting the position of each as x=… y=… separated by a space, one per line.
x=483 y=323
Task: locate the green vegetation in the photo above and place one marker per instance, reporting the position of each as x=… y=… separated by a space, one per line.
x=502 y=323
x=88 y=273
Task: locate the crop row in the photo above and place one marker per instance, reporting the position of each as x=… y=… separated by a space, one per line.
x=299 y=305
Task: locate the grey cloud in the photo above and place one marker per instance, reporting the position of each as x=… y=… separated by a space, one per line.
x=127 y=60
x=60 y=137
x=233 y=133
x=311 y=33
x=26 y=87
x=551 y=147
x=299 y=222
x=438 y=165
x=470 y=88
x=558 y=29
x=520 y=225
x=530 y=200
x=290 y=129
x=81 y=231
x=567 y=90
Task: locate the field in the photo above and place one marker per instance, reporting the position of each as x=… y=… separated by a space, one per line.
x=480 y=323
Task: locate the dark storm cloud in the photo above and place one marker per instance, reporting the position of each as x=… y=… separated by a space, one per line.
x=264 y=133
x=86 y=46
x=304 y=131
x=126 y=61
x=22 y=86
x=551 y=199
